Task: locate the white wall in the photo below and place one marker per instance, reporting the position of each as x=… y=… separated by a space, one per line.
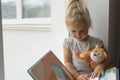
x=22 y=48
x=99 y=10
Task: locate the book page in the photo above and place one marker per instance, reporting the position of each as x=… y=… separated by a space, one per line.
x=96 y=78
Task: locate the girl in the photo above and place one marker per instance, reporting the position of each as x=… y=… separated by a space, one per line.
x=78 y=22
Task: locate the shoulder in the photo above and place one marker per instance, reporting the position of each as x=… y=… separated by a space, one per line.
x=96 y=40
x=68 y=42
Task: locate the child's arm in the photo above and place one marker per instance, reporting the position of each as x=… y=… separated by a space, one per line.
x=69 y=64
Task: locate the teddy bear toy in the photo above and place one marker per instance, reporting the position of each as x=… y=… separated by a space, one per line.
x=94 y=57
x=97 y=55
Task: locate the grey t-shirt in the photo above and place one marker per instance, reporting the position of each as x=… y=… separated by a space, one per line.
x=71 y=43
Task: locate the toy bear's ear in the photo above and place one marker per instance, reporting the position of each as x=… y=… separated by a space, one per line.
x=98 y=46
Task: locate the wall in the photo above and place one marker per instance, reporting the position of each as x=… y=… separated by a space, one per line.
x=22 y=48
x=99 y=10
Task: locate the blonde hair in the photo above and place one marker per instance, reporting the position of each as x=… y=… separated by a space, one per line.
x=77 y=13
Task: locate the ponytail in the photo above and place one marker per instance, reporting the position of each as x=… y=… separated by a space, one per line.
x=79 y=3
x=77 y=12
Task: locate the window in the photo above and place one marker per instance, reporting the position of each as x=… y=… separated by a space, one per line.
x=8 y=9
x=26 y=11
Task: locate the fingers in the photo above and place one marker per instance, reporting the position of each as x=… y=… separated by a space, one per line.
x=98 y=71
x=97 y=74
x=94 y=74
x=83 y=77
x=102 y=74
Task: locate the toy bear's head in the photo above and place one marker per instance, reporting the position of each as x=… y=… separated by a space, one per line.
x=98 y=54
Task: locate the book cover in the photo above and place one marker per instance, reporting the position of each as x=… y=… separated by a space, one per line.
x=49 y=67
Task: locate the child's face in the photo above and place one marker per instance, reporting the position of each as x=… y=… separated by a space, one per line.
x=79 y=32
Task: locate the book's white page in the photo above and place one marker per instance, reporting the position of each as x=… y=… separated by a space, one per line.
x=96 y=78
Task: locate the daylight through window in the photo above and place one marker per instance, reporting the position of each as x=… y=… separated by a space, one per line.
x=25 y=9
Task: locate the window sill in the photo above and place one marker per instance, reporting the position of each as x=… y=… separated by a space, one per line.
x=27 y=27
x=33 y=24
x=27 y=21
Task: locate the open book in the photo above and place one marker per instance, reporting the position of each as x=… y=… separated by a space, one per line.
x=49 y=67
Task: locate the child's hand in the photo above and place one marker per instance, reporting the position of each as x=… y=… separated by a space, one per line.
x=99 y=71
x=83 y=77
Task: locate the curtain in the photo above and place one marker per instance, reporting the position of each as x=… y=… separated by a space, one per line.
x=114 y=31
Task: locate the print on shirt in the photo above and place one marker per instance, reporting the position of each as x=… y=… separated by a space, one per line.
x=84 y=56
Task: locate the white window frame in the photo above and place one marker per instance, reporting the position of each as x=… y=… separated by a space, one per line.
x=20 y=22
